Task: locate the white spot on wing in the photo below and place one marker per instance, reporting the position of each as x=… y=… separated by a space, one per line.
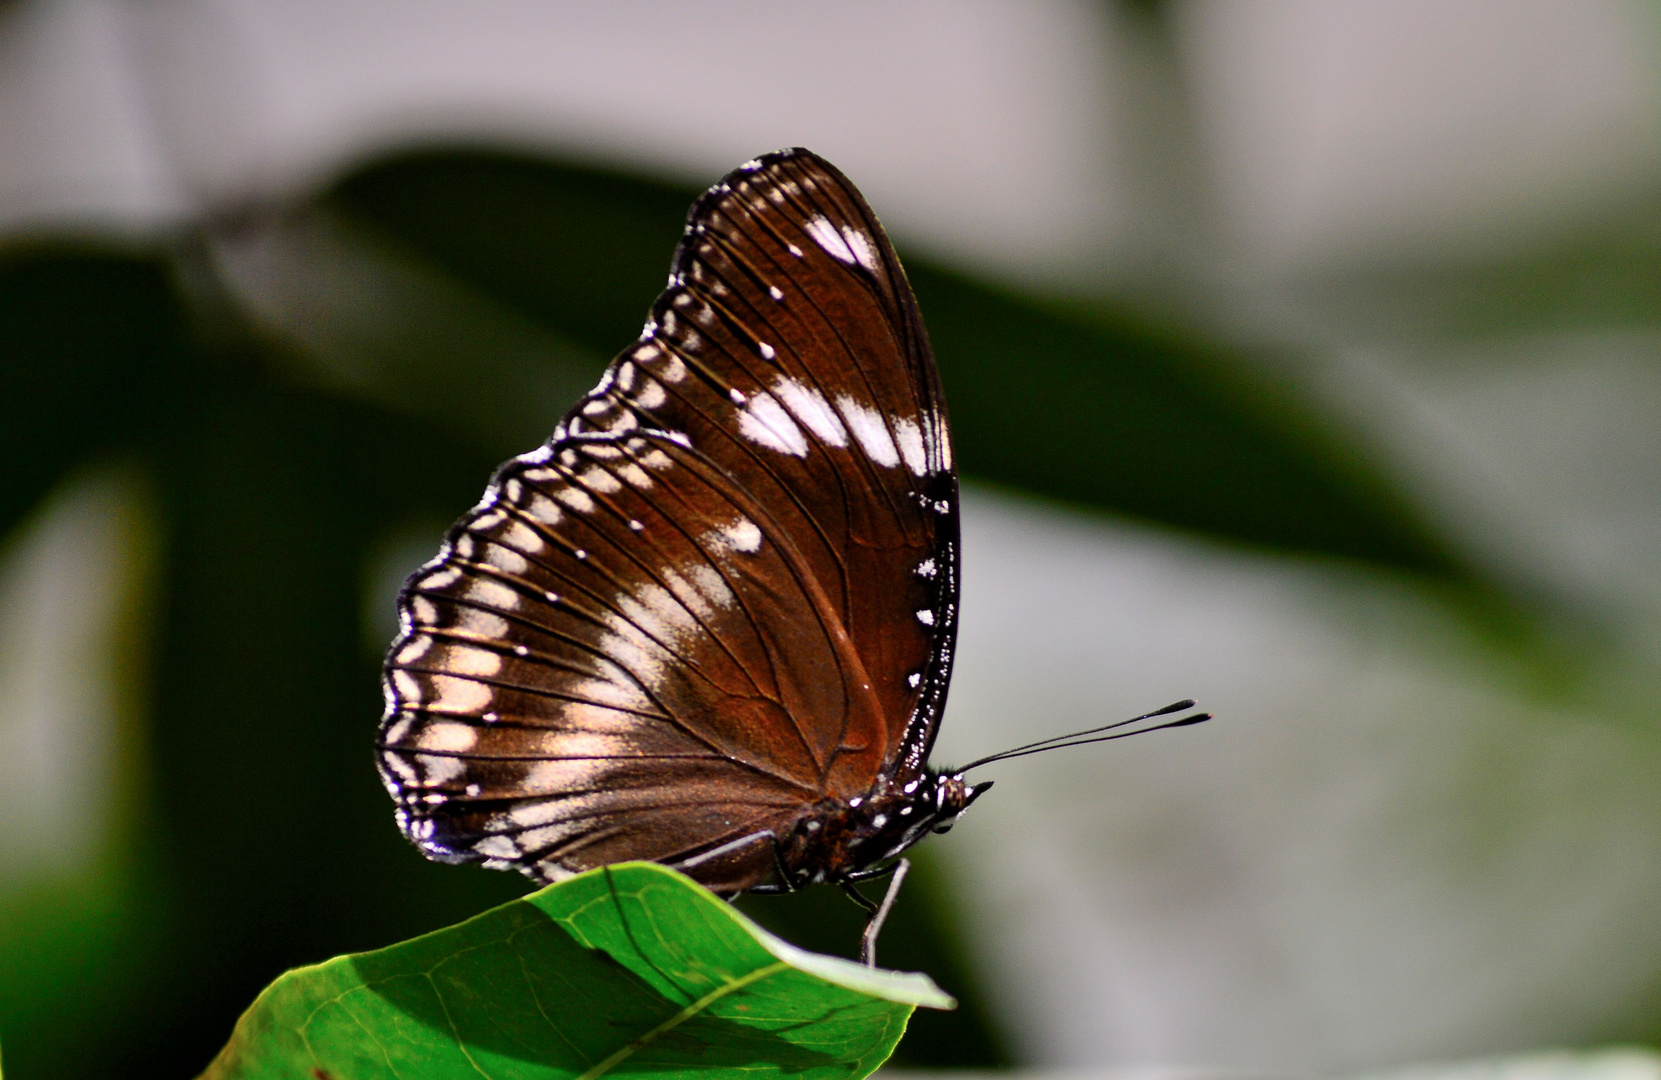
x=744 y=536
x=485 y=624
x=711 y=586
x=505 y=559
x=608 y=694
x=911 y=446
x=438 y=769
x=575 y=499
x=498 y=847
x=811 y=408
x=775 y=292
x=630 y=650
x=572 y=763
x=860 y=245
x=414 y=650
x=656 y=610
x=651 y=395
x=439 y=579
x=542 y=509
x=926 y=617
x=542 y=812
x=767 y=352
x=407 y=688
x=598 y=479
x=764 y=421
x=465 y=661
x=868 y=427
x=447 y=737
x=491 y=594
x=825 y=235
x=399 y=728
x=454 y=695
x=521 y=536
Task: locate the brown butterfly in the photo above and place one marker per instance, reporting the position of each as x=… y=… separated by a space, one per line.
x=711 y=621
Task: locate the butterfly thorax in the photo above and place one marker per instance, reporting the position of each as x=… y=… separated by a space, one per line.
x=837 y=838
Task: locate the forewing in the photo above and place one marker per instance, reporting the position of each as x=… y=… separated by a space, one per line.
x=789 y=351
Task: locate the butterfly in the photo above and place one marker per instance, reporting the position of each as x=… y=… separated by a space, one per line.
x=710 y=622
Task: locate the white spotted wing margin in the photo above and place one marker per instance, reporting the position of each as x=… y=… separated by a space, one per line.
x=723 y=591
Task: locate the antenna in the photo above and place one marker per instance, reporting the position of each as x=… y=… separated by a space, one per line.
x=1058 y=742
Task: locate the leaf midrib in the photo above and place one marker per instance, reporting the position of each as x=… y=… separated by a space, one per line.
x=617 y=1056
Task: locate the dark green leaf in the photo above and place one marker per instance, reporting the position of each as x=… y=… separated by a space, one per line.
x=1097 y=409
x=1074 y=405
x=90 y=341
x=1594 y=278
x=265 y=701
x=627 y=970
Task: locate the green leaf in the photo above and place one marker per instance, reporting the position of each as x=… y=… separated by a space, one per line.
x=1096 y=407
x=630 y=969
x=91 y=340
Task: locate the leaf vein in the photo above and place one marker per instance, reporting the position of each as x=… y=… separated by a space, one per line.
x=617 y=1057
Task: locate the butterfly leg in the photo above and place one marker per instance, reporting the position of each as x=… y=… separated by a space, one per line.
x=785 y=879
x=872 y=874
x=879 y=912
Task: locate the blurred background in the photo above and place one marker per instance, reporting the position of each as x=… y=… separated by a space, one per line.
x=1304 y=357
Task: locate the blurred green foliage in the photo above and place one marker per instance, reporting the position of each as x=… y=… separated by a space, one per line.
x=265 y=841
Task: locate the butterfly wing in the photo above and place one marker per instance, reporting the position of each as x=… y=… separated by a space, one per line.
x=726 y=587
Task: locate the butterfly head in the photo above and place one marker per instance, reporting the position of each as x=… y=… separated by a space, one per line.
x=904 y=814
x=951 y=796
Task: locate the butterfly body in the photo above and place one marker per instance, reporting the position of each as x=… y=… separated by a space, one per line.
x=846 y=839
x=711 y=621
